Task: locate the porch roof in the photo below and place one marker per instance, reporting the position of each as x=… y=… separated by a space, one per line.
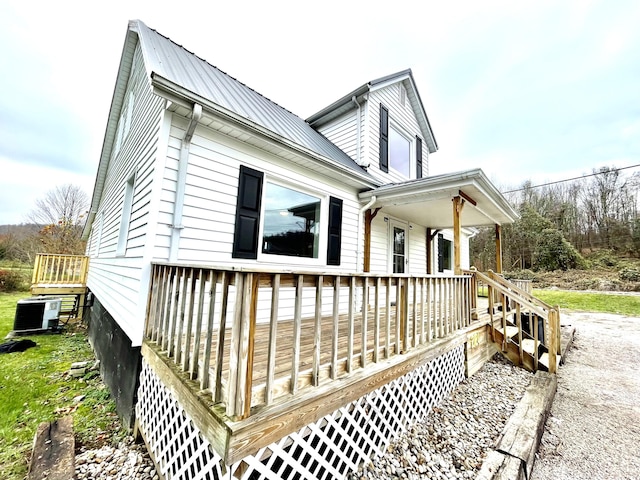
x=428 y=201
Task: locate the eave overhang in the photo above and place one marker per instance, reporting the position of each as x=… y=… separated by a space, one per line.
x=428 y=201
x=176 y=93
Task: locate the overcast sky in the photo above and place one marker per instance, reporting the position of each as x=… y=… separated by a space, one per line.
x=539 y=90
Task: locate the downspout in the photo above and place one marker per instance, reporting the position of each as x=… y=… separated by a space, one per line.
x=358 y=143
x=360 y=221
x=178 y=205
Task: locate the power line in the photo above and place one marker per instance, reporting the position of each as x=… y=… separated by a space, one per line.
x=571 y=179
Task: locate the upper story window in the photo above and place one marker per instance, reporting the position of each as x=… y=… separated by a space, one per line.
x=398 y=150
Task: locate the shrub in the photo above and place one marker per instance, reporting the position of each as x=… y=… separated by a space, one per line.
x=553 y=252
x=630 y=274
x=11 y=281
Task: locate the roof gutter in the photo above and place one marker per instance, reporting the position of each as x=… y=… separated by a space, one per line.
x=178 y=205
x=354 y=99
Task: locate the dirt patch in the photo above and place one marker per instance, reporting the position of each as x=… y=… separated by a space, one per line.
x=593 y=431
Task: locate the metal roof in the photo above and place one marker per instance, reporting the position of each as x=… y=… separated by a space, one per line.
x=167 y=59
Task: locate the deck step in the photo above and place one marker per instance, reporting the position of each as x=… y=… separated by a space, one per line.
x=544 y=360
x=529 y=345
x=511 y=331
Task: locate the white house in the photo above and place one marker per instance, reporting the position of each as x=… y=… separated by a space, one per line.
x=199 y=169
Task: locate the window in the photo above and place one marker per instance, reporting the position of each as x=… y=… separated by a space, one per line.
x=399 y=152
x=444 y=253
x=127 y=205
x=124 y=124
x=396 y=148
x=291 y=222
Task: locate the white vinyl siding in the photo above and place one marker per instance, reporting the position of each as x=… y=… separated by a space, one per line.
x=343 y=131
x=118 y=281
x=210 y=199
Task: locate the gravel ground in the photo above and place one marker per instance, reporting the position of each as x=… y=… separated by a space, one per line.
x=451 y=443
x=593 y=431
x=126 y=461
x=454 y=439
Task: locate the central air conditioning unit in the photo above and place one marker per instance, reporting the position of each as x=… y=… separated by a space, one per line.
x=37 y=313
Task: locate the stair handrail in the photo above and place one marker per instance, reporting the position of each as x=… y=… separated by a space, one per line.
x=546 y=311
x=514 y=293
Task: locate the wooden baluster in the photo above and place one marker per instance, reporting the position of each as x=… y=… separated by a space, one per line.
x=550 y=337
x=404 y=313
x=176 y=327
x=208 y=342
x=186 y=359
x=387 y=318
x=350 y=324
x=376 y=322
x=441 y=308
x=218 y=394
x=234 y=396
x=168 y=278
x=414 y=310
x=297 y=327
x=365 y=319
x=151 y=330
x=422 y=314
x=336 y=326
x=430 y=316
x=273 y=335
x=317 y=335
x=399 y=324
x=193 y=372
x=177 y=340
x=519 y=325
x=534 y=324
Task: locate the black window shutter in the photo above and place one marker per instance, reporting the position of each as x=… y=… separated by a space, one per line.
x=335 y=231
x=384 y=139
x=440 y=252
x=418 y=157
x=245 y=239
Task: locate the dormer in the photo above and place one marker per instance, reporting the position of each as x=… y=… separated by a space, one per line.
x=383 y=127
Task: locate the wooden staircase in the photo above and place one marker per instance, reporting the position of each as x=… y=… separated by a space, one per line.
x=525 y=329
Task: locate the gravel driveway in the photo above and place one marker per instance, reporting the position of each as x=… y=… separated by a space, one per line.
x=593 y=431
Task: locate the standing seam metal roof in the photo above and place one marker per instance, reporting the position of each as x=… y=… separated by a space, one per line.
x=182 y=67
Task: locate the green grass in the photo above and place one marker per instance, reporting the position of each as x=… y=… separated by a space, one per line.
x=591 y=302
x=35 y=387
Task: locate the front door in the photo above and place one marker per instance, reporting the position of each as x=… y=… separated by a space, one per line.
x=398 y=257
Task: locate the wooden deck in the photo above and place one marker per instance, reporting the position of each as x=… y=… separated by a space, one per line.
x=63 y=276
x=268 y=352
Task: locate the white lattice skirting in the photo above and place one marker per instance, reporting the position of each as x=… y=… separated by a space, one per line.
x=328 y=449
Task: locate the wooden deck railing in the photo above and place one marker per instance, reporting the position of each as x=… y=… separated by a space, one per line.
x=54 y=269
x=253 y=336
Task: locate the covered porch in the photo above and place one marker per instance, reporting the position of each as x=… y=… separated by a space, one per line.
x=450 y=201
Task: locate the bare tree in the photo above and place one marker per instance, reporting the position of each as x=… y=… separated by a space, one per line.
x=61 y=213
x=67 y=203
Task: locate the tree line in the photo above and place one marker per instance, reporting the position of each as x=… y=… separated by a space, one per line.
x=54 y=225
x=561 y=222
